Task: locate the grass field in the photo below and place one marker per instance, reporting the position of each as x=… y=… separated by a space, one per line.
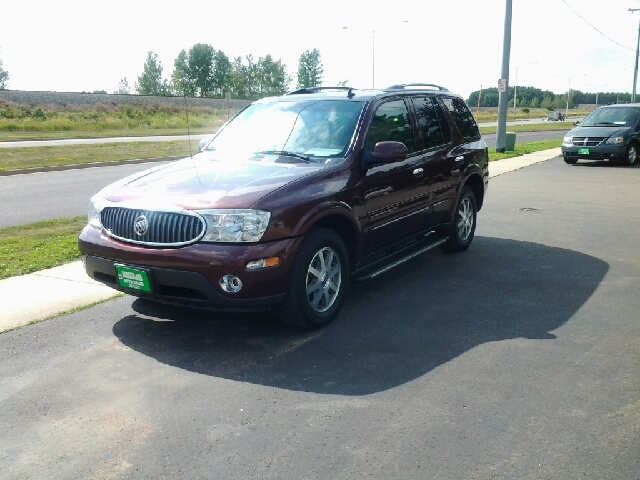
x=31 y=157
x=30 y=248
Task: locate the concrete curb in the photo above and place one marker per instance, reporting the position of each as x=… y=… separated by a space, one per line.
x=36 y=296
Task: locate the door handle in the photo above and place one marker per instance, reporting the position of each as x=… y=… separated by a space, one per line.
x=459 y=159
x=418 y=172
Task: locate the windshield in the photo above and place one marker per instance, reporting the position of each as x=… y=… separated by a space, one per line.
x=312 y=128
x=616 y=116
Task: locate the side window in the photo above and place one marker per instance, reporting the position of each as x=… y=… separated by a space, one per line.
x=444 y=124
x=462 y=117
x=390 y=122
x=428 y=123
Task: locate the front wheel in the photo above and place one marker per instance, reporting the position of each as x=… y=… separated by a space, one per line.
x=570 y=160
x=319 y=281
x=631 y=155
x=463 y=226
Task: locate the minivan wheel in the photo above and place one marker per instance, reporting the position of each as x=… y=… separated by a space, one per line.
x=631 y=155
x=463 y=226
x=570 y=160
x=319 y=281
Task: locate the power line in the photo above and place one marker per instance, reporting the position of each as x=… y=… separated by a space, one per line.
x=585 y=21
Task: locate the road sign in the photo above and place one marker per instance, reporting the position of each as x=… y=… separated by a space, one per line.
x=502 y=85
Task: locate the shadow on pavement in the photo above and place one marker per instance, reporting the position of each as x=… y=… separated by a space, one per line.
x=392 y=329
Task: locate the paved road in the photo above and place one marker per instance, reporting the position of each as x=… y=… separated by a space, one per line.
x=42 y=196
x=91 y=141
x=516 y=359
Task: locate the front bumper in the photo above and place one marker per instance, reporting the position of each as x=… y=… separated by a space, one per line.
x=189 y=276
x=599 y=152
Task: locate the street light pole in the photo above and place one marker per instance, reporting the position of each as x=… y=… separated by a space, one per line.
x=503 y=96
x=373 y=60
x=373 y=53
x=635 y=70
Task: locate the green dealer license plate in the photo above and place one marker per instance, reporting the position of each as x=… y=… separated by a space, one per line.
x=583 y=151
x=133 y=279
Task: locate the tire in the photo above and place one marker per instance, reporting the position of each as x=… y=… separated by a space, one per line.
x=631 y=155
x=318 y=282
x=463 y=226
x=570 y=161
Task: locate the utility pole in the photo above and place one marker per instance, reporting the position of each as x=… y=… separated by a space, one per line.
x=503 y=85
x=635 y=70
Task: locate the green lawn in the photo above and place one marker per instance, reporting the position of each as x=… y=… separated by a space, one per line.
x=34 y=247
x=30 y=157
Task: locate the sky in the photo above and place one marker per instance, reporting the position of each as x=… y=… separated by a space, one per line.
x=73 y=46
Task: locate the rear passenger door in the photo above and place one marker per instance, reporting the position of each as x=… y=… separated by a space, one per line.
x=435 y=141
x=395 y=194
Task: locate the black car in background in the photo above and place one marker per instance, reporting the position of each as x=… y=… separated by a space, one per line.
x=608 y=133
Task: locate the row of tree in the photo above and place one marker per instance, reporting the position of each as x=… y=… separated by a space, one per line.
x=537 y=98
x=203 y=71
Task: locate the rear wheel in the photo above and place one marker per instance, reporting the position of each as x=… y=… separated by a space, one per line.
x=463 y=226
x=319 y=281
x=631 y=156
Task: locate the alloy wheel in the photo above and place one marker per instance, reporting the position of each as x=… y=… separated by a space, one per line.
x=324 y=277
x=465 y=219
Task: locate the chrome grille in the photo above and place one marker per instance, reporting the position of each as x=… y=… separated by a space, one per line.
x=587 y=141
x=169 y=229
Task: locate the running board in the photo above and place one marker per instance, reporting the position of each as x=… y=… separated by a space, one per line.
x=415 y=251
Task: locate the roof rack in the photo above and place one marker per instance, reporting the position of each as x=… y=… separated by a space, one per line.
x=403 y=86
x=349 y=90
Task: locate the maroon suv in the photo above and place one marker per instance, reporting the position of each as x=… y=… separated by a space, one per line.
x=294 y=198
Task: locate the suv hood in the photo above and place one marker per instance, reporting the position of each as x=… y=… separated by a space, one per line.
x=202 y=182
x=599 y=131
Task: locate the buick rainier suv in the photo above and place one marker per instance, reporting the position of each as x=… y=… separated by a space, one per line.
x=293 y=199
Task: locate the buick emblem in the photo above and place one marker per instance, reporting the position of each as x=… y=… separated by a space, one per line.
x=141 y=225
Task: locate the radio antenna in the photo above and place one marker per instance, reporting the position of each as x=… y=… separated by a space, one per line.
x=186 y=110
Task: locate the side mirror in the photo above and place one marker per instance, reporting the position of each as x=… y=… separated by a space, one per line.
x=576 y=123
x=203 y=143
x=386 y=152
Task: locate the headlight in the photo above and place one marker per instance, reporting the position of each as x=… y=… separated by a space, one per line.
x=567 y=141
x=615 y=140
x=96 y=205
x=235 y=225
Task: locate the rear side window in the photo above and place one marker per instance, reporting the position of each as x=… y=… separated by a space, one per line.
x=428 y=122
x=390 y=122
x=462 y=117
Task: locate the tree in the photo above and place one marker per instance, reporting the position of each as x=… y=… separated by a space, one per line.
x=123 y=87
x=310 y=69
x=221 y=73
x=200 y=61
x=4 y=77
x=181 y=76
x=150 y=82
x=272 y=76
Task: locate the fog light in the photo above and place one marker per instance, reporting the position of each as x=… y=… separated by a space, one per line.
x=263 y=263
x=230 y=283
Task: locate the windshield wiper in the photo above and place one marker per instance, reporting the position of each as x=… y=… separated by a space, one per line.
x=607 y=123
x=285 y=153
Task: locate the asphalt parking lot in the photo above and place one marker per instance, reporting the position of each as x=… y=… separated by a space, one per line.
x=519 y=358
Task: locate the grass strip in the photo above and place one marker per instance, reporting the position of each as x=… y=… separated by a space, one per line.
x=524 y=148
x=30 y=157
x=17 y=136
x=37 y=246
x=532 y=127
